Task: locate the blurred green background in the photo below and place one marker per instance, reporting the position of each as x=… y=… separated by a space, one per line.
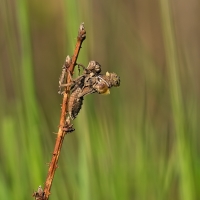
x=140 y=142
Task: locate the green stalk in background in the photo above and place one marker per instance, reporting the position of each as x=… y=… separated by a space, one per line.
x=184 y=162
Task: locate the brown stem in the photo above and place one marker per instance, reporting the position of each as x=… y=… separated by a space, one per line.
x=61 y=132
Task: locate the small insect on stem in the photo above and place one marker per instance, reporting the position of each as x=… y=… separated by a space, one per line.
x=39 y=194
x=63 y=76
x=68 y=128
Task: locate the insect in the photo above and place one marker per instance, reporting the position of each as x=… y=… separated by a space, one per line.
x=62 y=78
x=100 y=84
x=90 y=82
x=76 y=101
x=39 y=194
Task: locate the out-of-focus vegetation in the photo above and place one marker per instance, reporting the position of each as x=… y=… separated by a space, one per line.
x=140 y=142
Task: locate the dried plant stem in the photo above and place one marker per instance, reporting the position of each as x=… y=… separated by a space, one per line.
x=61 y=131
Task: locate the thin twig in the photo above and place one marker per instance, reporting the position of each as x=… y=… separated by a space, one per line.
x=61 y=132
